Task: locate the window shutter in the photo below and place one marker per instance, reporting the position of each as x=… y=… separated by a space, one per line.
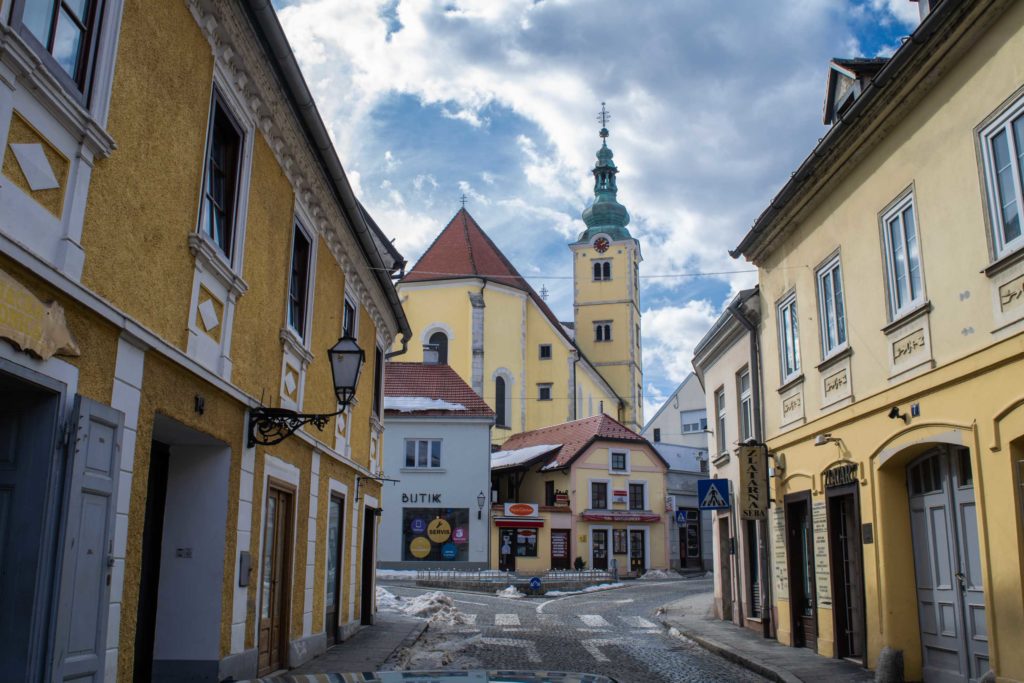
x=84 y=595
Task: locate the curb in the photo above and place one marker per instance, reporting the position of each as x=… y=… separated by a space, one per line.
x=711 y=645
x=407 y=642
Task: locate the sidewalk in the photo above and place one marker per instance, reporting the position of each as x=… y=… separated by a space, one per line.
x=693 y=617
x=369 y=648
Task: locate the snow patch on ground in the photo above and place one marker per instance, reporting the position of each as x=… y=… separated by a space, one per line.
x=435 y=607
x=659 y=575
x=588 y=589
x=437 y=650
x=510 y=592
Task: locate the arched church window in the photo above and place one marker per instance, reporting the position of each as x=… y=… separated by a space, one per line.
x=606 y=270
x=439 y=340
x=501 y=414
x=597 y=271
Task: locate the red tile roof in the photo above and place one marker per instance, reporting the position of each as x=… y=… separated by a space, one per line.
x=575 y=437
x=432 y=381
x=464 y=250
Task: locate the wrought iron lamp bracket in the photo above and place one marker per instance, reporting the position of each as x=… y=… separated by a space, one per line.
x=269 y=426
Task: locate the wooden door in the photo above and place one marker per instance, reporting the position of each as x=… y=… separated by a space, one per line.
x=332 y=599
x=276 y=580
x=800 y=550
x=637 y=552
x=846 y=559
x=560 y=549
x=599 y=549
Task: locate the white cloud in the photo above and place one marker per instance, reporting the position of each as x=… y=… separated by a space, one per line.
x=670 y=334
x=390 y=162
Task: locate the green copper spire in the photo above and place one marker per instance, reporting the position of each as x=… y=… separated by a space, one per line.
x=605 y=215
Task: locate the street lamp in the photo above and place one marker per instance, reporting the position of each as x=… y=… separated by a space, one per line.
x=480 y=500
x=269 y=426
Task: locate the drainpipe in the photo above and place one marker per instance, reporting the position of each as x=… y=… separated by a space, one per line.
x=736 y=310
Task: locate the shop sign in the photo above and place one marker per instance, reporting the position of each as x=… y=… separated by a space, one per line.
x=419 y=525
x=439 y=530
x=559 y=545
x=522 y=510
x=460 y=535
x=32 y=326
x=822 y=578
x=449 y=551
x=753 y=483
x=421 y=497
x=840 y=475
x=419 y=547
x=561 y=497
x=620 y=496
x=619 y=517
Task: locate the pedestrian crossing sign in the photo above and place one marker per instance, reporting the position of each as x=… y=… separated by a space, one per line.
x=713 y=494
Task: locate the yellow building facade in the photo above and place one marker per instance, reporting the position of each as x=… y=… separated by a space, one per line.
x=590 y=489
x=174 y=254
x=891 y=322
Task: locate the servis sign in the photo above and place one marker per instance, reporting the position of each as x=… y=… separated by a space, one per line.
x=522 y=510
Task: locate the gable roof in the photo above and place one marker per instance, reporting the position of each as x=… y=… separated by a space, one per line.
x=428 y=389
x=565 y=442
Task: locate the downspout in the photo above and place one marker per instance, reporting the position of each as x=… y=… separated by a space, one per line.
x=736 y=310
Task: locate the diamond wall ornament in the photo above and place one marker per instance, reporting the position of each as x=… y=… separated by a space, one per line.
x=208 y=313
x=36 y=167
x=289 y=382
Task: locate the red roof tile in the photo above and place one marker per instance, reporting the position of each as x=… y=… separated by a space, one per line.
x=464 y=250
x=574 y=436
x=431 y=381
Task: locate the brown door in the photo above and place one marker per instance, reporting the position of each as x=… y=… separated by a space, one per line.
x=560 y=549
x=637 y=552
x=600 y=549
x=332 y=601
x=276 y=580
x=800 y=549
x=847 y=563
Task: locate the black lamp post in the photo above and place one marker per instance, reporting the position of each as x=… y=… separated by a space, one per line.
x=480 y=500
x=269 y=426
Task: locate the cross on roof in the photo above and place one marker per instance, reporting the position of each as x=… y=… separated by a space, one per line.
x=463 y=199
x=603 y=118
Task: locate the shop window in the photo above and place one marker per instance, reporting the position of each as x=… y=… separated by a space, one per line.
x=526 y=542
x=619 y=541
x=435 y=534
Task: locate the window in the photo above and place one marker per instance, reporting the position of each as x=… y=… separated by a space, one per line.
x=500 y=406
x=902 y=258
x=545 y=351
x=378 y=378
x=543 y=392
x=599 y=495
x=832 y=307
x=526 y=543
x=602 y=270
x=65 y=31
x=789 y=339
x=638 y=335
x=619 y=541
x=746 y=405
x=439 y=343
x=603 y=330
x=1003 y=153
x=720 y=425
x=549 y=493
x=636 y=497
x=220 y=187
x=348 y=319
x=423 y=453
x=693 y=421
x=618 y=461
x=636 y=276
x=298 y=286
x=657 y=434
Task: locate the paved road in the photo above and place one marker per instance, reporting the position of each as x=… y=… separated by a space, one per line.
x=615 y=633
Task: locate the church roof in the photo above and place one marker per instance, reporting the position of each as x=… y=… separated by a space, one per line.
x=571 y=439
x=464 y=250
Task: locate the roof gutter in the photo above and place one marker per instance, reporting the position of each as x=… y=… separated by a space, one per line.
x=269 y=31
x=921 y=36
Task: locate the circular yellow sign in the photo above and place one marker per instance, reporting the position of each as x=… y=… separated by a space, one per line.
x=439 y=530
x=420 y=547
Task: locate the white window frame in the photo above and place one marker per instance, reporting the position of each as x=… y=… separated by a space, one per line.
x=1003 y=123
x=789 y=355
x=692 y=427
x=429 y=466
x=607 y=493
x=351 y=301
x=618 y=451
x=720 y=421
x=305 y=334
x=830 y=315
x=629 y=498
x=891 y=216
x=746 y=404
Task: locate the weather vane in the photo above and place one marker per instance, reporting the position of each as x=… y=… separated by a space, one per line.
x=602 y=118
x=463 y=199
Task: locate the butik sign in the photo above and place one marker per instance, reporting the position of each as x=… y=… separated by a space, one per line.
x=753 y=492
x=522 y=510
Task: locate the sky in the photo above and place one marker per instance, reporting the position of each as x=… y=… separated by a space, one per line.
x=713 y=105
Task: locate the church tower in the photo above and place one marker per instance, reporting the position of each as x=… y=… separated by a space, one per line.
x=606 y=273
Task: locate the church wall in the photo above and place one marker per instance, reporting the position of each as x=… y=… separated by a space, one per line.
x=554 y=371
x=593 y=394
x=505 y=353
x=441 y=306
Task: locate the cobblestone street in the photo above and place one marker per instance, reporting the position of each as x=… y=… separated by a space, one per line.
x=614 y=633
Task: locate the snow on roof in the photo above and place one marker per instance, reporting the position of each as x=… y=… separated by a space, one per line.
x=412 y=404
x=503 y=459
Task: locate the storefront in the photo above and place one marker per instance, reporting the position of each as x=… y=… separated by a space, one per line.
x=519 y=535
x=620 y=541
x=435 y=534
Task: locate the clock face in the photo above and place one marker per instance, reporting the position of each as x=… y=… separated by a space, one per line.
x=601 y=244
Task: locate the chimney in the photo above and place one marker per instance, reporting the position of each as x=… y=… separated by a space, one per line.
x=430 y=354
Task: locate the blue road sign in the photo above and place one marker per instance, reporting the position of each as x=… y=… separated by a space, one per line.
x=535 y=583
x=680 y=517
x=449 y=551
x=713 y=494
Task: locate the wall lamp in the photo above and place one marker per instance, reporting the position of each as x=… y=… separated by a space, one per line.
x=269 y=426
x=822 y=439
x=480 y=500
x=895 y=414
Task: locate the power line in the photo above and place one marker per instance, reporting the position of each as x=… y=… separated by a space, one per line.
x=572 y=277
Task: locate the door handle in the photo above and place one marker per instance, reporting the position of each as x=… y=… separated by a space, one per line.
x=961 y=579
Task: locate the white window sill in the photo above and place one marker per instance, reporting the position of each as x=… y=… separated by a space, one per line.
x=423 y=470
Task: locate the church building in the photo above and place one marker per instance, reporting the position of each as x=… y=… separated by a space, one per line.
x=470 y=308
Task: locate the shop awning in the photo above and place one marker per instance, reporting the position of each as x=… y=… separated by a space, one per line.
x=518 y=523
x=619 y=517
